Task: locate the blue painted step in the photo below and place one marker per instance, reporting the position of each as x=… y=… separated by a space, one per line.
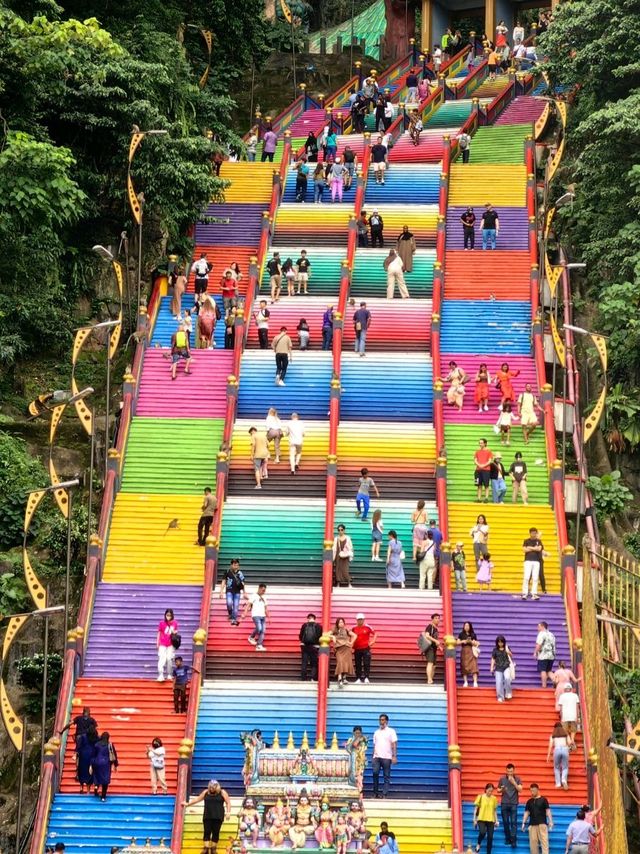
x=307 y=385
x=562 y=817
x=387 y=387
x=486 y=326
x=166 y=324
x=85 y=824
x=419 y=716
x=419 y=184
x=228 y=709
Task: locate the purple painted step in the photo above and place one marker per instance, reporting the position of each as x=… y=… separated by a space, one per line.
x=122 y=640
x=522 y=109
x=514 y=228
x=495 y=614
x=242 y=229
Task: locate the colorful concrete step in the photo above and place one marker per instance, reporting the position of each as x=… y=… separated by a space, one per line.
x=523 y=109
x=470 y=364
x=418 y=714
x=152 y=540
x=474 y=326
x=278 y=540
x=289 y=193
x=227 y=709
x=490 y=275
x=306 y=390
x=412 y=397
x=172 y=456
x=250 y=182
x=514 y=235
x=398 y=617
x=500 y=144
x=133 y=712
x=476 y=184
x=508 y=528
x=165 y=326
x=231 y=656
x=562 y=816
x=401 y=461
x=430 y=148
x=84 y=824
x=492 y=734
x=369 y=278
x=324 y=279
x=501 y=613
x=403 y=181
x=230 y=224
x=134 y=611
x=221 y=256
x=310 y=481
x=206 y=397
x=462 y=443
x=312 y=225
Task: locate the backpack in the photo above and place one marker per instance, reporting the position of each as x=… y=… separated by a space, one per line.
x=181 y=339
x=463 y=141
x=309 y=634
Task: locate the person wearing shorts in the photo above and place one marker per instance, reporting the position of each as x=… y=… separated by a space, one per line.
x=259 y=455
x=378 y=160
x=202 y=268
x=430 y=654
x=217 y=807
x=303 y=266
x=180 y=350
x=483 y=458
x=274 y=268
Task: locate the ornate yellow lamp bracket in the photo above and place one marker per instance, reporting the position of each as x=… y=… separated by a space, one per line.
x=207 y=35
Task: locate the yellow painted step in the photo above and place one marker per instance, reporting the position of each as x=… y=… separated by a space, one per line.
x=316 y=438
x=508 y=528
x=476 y=184
x=375 y=442
x=420 y=826
x=250 y=182
x=143 y=549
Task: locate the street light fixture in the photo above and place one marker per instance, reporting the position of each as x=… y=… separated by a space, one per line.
x=136 y=201
x=566 y=199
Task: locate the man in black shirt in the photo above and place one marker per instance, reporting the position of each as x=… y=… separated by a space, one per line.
x=468 y=220
x=490 y=226
x=538 y=813
x=532 y=548
x=83 y=723
x=509 y=788
x=412 y=86
x=432 y=635
x=303 y=266
x=274 y=268
x=378 y=155
x=310 y=633
x=518 y=474
x=232 y=588
x=376 y=225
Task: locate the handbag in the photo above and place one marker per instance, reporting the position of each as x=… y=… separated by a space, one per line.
x=476 y=651
x=176 y=640
x=423 y=643
x=403 y=555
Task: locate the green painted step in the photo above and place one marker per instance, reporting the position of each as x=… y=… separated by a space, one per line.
x=369 y=278
x=462 y=441
x=395 y=517
x=296 y=144
x=278 y=541
x=172 y=455
x=368 y=25
x=325 y=267
x=503 y=144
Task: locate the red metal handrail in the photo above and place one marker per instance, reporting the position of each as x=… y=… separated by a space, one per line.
x=332 y=459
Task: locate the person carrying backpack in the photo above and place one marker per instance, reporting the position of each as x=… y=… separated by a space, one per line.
x=310 y=633
x=464 y=144
x=180 y=350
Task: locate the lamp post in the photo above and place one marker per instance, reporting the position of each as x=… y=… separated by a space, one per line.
x=589 y=424
x=23 y=618
x=136 y=201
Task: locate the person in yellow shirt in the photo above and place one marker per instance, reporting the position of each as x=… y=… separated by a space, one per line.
x=485 y=816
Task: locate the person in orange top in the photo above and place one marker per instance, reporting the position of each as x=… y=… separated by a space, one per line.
x=503 y=383
x=493 y=61
x=483 y=458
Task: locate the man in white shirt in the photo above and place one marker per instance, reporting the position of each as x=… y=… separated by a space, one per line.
x=385 y=747
x=569 y=702
x=579 y=834
x=519 y=53
x=296 y=437
x=259 y=608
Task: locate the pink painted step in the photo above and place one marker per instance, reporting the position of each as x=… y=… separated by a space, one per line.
x=203 y=397
x=470 y=363
x=525 y=108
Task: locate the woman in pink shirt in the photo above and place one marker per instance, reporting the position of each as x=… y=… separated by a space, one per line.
x=167 y=628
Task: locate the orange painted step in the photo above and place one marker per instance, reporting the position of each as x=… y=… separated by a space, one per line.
x=221 y=257
x=492 y=734
x=486 y=274
x=133 y=712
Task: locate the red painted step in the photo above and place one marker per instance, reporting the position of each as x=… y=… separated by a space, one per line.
x=133 y=712
x=492 y=734
x=486 y=274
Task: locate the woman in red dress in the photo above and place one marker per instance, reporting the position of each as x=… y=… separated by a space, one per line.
x=481 y=393
x=503 y=383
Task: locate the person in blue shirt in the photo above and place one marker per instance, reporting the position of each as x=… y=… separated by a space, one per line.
x=387 y=844
x=181 y=679
x=437 y=539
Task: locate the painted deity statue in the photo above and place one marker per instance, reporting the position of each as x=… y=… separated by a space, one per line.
x=357 y=823
x=304 y=766
x=278 y=822
x=249 y=820
x=324 y=831
x=304 y=822
x=342 y=835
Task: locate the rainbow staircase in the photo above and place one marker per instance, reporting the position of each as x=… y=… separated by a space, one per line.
x=486 y=316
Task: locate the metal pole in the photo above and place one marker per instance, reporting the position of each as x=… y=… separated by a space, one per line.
x=67 y=578
x=107 y=410
x=23 y=757
x=92 y=457
x=45 y=677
